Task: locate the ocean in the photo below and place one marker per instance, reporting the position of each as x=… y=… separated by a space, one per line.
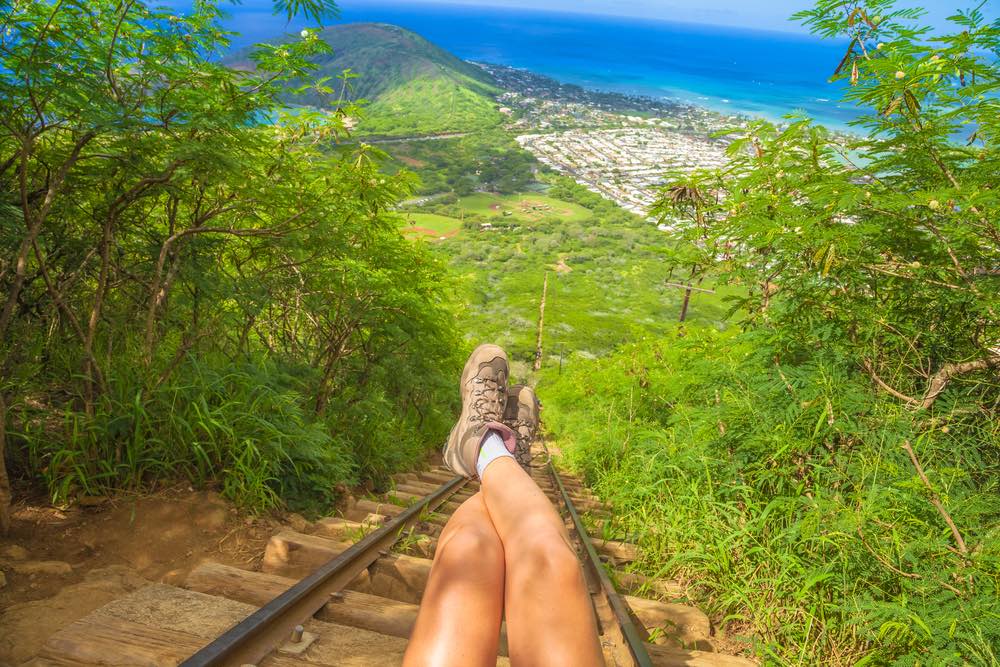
x=768 y=74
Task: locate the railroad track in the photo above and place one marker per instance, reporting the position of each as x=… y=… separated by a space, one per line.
x=347 y=591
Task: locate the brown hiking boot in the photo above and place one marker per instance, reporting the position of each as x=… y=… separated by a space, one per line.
x=484 y=398
x=522 y=416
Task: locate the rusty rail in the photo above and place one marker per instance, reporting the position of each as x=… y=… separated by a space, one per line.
x=633 y=638
x=253 y=638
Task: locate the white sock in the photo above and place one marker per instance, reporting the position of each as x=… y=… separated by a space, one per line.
x=491 y=450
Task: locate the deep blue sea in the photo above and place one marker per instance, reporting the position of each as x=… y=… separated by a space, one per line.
x=727 y=69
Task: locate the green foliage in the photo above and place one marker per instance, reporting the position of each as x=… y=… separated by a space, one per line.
x=316 y=10
x=430 y=105
x=606 y=274
x=487 y=161
x=410 y=85
x=197 y=293
x=242 y=424
x=782 y=495
x=884 y=250
x=826 y=477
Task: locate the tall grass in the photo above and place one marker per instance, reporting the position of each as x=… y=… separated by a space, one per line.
x=781 y=493
x=246 y=429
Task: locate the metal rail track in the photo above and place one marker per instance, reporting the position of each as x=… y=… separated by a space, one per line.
x=260 y=633
x=321 y=598
x=633 y=638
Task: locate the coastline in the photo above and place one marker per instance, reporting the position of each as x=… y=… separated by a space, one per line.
x=626 y=101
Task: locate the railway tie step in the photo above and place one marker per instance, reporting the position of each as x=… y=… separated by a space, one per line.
x=367 y=620
x=350 y=607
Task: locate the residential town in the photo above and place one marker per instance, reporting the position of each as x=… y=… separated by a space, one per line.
x=620 y=146
x=539 y=103
x=626 y=164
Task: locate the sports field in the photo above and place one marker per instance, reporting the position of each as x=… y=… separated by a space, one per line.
x=523 y=207
x=431 y=224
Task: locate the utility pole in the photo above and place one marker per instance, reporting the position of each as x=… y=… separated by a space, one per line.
x=541 y=324
x=688 y=289
x=685 y=303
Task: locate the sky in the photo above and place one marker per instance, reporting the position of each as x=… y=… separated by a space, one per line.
x=757 y=14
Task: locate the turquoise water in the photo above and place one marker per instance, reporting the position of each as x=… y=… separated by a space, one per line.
x=730 y=70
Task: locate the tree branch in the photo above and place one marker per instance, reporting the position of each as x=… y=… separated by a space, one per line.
x=880 y=382
x=939 y=381
x=935 y=500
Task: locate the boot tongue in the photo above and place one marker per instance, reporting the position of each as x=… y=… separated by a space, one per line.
x=508 y=435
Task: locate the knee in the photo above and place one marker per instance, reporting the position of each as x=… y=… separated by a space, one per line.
x=470 y=544
x=550 y=555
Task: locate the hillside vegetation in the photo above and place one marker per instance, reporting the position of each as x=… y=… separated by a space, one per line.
x=187 y=293
x=607 y=272
x=411 y=86
x=827 y=475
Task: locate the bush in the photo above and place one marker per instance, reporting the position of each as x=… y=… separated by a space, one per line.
x=782 y=495
x=198 y=294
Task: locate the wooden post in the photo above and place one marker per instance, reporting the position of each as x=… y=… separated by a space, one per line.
x=541 y=324
x=684 y=305
x=688 y=289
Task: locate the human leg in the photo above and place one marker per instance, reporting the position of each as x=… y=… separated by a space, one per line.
x=462 y=607
x=550 y=617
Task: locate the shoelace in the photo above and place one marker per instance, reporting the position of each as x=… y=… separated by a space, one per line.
x=484 y=409
x=535 y=438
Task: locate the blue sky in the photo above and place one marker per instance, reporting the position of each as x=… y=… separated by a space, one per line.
x=759 y=14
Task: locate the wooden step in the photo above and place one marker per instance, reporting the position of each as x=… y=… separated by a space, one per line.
x=255 y=588
x=405 y=497
x=396 y=576
x=621 y=552
x=666 y=656
x=356 y=609
x=155 y=625
x=363 y=507
x=678 y=622
x=345 y=530
x=438 y=475
x=359 y=610
x=633 y=582
x=98 y=639
x=338 y=528
x=420 y=488
x=450 y=507
x=296 y=554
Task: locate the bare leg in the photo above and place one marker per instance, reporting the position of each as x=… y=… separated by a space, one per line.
x=462 y=607
x=550 y=617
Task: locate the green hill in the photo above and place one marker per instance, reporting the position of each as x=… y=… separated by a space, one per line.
x=412 y=85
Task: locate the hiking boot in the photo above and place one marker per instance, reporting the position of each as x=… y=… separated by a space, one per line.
x=484 y=398
x=522 y=416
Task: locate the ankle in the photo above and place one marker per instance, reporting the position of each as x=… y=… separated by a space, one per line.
x=491 y=449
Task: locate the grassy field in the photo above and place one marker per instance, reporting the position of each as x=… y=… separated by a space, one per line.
x=529 y=207
x=431 y=224
x=606 y=277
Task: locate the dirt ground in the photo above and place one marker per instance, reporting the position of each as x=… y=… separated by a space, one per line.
x=58 y=565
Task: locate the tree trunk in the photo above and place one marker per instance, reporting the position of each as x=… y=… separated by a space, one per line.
x=4 y=479
x=89 y=370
